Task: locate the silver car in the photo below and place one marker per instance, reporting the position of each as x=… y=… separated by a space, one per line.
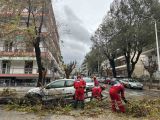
x=89 y=83
x=56 y=88
x=131 y=83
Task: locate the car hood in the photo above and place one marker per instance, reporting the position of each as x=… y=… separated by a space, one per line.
x=35 y=90
x=90 y=84
x=136 y=83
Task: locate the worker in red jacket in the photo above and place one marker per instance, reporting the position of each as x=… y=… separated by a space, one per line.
x=79 y=86
x=116 y=89
x=96 y=83
x=97 y=91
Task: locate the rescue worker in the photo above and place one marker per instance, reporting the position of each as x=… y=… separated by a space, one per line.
x=79 y=85
x=97 y=92
x=116 y=89
x=96 y=83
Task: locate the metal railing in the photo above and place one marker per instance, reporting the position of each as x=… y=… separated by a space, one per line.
x=18 y=70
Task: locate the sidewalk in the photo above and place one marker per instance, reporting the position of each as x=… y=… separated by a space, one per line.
x=152 y=89
x=18 y=89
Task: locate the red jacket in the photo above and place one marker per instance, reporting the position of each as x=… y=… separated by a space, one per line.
x=117 y=89
x=96 y=92
x=79 y=85
x=96 y=83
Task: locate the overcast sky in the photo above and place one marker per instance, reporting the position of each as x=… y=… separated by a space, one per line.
x=77 y=20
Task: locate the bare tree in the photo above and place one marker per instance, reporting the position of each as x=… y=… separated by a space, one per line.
x=151 y=66
x=68 y=68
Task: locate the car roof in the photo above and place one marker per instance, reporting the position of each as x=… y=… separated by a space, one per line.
x=62 y=80
x=86 y=77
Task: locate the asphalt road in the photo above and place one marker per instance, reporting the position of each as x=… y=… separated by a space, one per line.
x=139 y=93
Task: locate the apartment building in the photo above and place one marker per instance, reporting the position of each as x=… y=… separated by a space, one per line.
x=121 y=67
x=84 y=69
x=18 y=64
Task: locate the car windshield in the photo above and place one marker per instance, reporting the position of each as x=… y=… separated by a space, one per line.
x=125 y=80
x=133 y=80
x=88 y=80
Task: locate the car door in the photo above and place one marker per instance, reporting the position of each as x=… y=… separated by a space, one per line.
x=56 y=88
x=69 y=88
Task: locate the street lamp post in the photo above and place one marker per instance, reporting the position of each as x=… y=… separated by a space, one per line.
x=158 y=59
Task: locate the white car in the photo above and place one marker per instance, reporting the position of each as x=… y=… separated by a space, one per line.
x=57 y=88
x=135 y=84
x=89 y=83
x=131 y=83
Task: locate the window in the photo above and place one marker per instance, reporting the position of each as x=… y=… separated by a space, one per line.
x=57 y=84
x=8 y=46
x=6 y=66
x=28 y=67
x=69 y=83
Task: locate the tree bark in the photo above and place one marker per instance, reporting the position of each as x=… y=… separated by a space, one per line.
x=39 y=63
x=151 y=80
x=112 y=63
x=130 y=62
x=127 y=58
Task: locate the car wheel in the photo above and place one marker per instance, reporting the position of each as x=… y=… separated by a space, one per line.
x=129 y=86
x=141 y=88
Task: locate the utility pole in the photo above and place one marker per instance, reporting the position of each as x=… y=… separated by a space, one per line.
x=98 y=62
x=158 y=59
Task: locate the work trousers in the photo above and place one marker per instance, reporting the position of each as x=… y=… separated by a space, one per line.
x=115 y=99
x=81 y=102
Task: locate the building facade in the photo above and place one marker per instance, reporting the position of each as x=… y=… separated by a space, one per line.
x=18 y=65
x=121 y=68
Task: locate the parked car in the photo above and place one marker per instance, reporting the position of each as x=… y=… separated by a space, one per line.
x=89 y=83
x=110 y=81
x=131 y=83
x=124 y=82
x=56 y=88
x=101 y=80
x=114 y=82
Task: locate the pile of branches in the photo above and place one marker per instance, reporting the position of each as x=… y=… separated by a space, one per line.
x=144 y=108
x=8 y=92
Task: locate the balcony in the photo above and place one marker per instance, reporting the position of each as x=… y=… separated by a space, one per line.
x=21 y=72
x=28 y=52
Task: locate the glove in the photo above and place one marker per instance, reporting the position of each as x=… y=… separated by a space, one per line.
x=124 y=99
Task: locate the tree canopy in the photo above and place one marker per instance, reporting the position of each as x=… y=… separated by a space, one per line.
x=126 y=30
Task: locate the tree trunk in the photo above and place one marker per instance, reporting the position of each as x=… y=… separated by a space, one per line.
x=67 y=76
x=151 y=80
x=112 y=63
x=133 y=63
x=128 y=66
x=39 y=63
